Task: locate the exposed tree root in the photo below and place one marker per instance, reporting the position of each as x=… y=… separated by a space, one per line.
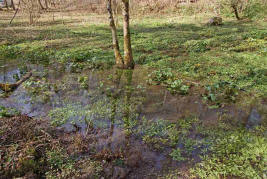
x=11 y=87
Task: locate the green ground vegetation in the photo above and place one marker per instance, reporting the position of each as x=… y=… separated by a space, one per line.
x=226 y=60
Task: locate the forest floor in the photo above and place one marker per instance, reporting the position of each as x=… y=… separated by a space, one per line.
x=194 y=106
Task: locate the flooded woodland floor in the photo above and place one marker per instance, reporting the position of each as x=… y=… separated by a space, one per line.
x=196 y=109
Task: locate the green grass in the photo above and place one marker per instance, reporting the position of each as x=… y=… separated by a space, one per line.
x=234 y=53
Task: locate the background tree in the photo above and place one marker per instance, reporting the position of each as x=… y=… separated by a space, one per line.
x=13 y=5
x=234 y=4
x=41 y=5
x=6 y=3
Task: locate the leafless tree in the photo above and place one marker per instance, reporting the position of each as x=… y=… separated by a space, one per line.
x=6 y=3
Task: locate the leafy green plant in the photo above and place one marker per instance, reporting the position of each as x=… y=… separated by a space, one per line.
x=177 y=86
x=221 y=92
x=83 y=80
x=8 y=112
x=166 y=77
x=160 y=76
x=196 y=46
x=176 y=155
x=9 y=51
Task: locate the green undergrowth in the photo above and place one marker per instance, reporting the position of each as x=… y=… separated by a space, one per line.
x=8 y=112
x=234 y=53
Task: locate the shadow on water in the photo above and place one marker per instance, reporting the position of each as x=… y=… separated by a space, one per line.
x=111 y=106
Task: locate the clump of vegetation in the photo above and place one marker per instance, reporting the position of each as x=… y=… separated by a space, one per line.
x=222 y=92
x=160 y=76
x=8 y=112
x=178 y=86
x=177 y=155
x=9 y=51
x=83 y=80
x=197 y=46
x=167 y=78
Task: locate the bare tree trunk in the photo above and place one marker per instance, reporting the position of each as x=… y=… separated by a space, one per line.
x=116 y=12
x=46 y=4
x=236 y=12
x=31 y=18
x=15 y=13
x=6 y=4
x=41 y=5
x=128 y=57
x=13 y=5
x=118 y=57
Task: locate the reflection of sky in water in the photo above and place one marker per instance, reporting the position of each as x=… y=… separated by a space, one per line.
x=18 y=100
x=9 y=69
x=8 y=76
x=34 y=105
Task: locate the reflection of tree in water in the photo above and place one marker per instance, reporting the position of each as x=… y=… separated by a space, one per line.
x=109 y=106
x=122 y=94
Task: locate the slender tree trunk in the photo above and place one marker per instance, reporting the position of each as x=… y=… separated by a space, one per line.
x=41 y=5
x=46 y=4
x=15 y=13
x=13 y=5
x=116 y=12
x=6 y=3
x=236 y=12
x=31 y=18
x=128 y=57
x=118 y=57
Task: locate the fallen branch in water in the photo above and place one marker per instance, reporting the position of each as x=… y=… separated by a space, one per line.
x=11 y=87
